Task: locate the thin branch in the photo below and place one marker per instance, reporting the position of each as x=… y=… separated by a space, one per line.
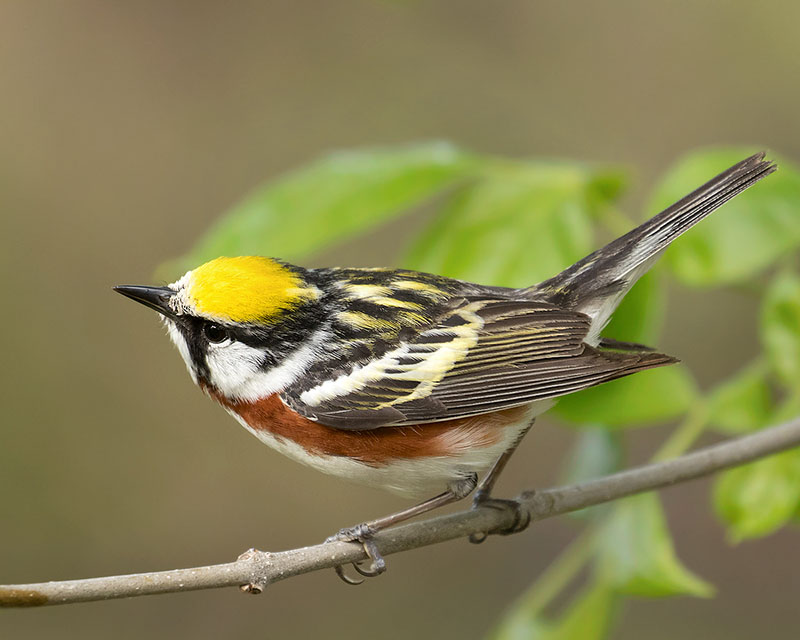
x=253 y=570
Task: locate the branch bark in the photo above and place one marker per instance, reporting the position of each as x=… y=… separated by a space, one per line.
x=253 y=570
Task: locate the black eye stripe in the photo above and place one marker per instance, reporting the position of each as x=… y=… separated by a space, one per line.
x=274 y=341
x=191 y=330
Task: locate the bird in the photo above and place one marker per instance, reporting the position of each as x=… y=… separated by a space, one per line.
x=420 y=384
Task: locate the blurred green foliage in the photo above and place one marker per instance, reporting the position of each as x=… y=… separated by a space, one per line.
x=329 y=200
x=779 y=322
x=651 y=396
x=743 y=402
x=514 y=222
x=588 y=617
x=636 y=556
x=759 y=498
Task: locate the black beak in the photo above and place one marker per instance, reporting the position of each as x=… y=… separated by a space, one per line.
x=154 y=297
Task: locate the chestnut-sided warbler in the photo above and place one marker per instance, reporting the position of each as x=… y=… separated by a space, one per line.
x=409 y=381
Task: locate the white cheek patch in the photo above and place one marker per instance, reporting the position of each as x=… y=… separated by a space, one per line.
x=236 y=369
x=232 y=365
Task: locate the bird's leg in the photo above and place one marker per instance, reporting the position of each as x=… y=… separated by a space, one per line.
x=363 y=533
x=484 y=490
x=482 y=497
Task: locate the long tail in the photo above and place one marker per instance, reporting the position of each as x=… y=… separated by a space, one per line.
x=597 y=284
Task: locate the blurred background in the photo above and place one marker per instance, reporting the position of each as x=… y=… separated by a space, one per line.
x=128 y=127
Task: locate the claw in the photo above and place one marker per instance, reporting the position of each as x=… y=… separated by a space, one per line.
x=362 y=534
x=378 y=563
x=367 y=573
x=345 y=578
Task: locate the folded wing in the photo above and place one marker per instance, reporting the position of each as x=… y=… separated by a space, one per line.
x=486 y=355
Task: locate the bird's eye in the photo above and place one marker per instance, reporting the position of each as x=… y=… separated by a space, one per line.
x=214 y=333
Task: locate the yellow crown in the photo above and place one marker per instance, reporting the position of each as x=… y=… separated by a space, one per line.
x=245 y=289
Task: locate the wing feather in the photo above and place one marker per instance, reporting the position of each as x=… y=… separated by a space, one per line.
x=482 y=356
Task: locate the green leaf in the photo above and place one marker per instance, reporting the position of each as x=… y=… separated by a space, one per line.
x=604 y=187
x=520 y=224
x=759 y=498
x=597 y=452
x=639 y=399
x=746 y=235
x=636 y=555
x=518 y=626
x=742 y=403
x=780 y=327
x=588 y=617
x=788 y=409
x=329 y=200
x=639 y=317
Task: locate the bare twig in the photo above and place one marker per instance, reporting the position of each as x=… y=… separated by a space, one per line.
x=256 y=569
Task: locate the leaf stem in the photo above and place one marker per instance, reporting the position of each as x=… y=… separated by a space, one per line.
x=686 y=433
x=558 y=574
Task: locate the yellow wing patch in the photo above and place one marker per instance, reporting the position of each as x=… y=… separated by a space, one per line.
x=361 y=320
x=245 y=289
x=422 y=287
x=445 y=347
x=377 y=294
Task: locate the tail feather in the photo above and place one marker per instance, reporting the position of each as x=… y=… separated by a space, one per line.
x=596 y=284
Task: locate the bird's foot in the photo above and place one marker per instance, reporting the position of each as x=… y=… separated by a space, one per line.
x=363 y=534
x=521 y=516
